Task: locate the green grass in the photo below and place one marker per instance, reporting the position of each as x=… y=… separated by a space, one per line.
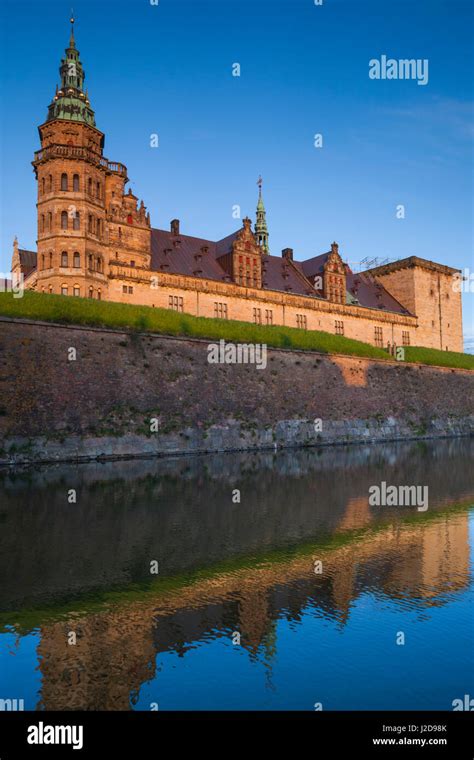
x=439 y=358
x=83 y=311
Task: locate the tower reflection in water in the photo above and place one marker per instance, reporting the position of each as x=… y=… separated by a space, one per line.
x=228 y=567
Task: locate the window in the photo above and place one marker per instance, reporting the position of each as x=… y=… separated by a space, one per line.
x=378 y=334
x=50 y=289
x=132 y=263
x=76 y=260
x=124 y=289
x=127 y=289
x=50 y=183
x=220 y=310
x=91 y=221
x=64 y=220
x=130 y=289
x=257 y=316
x=63 y=181
x=99 y=295
x=339 y=327
x=89 y=186
x=50 y=220
x=42 y=223
x=268 y=316
x=64 y=290
x=76 y=225
x=91 y=292
x=97 y=192
x=301 y=321
x=42 y=261
x=405 y=338
x=43 y=185
x=64 y=257
x=76 y=290
x=50 y=259
x=75 y=183
x=175 y=303
x=90 y=262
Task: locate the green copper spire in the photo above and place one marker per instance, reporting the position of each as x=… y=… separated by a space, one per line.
x=70 y=101
x=261 y=229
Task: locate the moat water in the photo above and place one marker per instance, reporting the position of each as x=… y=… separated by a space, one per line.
x=179 y=596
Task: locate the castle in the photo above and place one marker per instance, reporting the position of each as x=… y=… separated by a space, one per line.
x=96 y=241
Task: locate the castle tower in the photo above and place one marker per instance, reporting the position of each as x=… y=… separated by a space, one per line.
x=261 y=229
x=79 y=191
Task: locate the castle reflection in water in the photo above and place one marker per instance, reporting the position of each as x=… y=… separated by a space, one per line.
x=224 y=566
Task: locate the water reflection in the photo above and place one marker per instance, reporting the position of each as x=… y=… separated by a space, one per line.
x=228 y=567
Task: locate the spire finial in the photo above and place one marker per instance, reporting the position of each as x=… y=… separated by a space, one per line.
x=71 y=39
x=260 y=183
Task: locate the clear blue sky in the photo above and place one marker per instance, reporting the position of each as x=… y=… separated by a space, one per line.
x=167 y=69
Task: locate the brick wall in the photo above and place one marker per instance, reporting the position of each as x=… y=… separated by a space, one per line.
x=120 y=381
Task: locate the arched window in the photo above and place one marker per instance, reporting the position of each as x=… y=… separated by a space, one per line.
x=64 y=290
x=50 y=220
x=89 y=186
x=50 y=183
x=97 y=190
x=63 y=181
x=50 y=289
x=91 y=222
x=42 y=222
x=91 y=292
x=99 y=264
x=91 y=262
x=99 y=295
x=64 y=257
x=64 y=220
x=43 y=185
x=76 y=259
x=76 y=224
x=50 y=259
x=42 y=261
x=98 y=227
x=76 y=290
x=75 y=183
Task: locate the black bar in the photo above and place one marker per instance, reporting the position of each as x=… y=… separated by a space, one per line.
x=324 y=734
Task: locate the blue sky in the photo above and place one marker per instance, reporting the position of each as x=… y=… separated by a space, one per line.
x=167 y=69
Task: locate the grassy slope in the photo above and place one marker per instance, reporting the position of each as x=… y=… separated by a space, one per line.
x=82 y=311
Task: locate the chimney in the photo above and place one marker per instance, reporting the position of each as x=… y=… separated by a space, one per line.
x=175 y=226
x=287 y=253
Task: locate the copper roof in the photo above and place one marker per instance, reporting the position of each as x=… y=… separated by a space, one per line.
x=199 y=257
x=184 y=254
x=28 y=261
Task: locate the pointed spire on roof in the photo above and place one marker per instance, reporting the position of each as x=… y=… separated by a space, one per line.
x=72 y=42
x=70 y=101
x=261 y=229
